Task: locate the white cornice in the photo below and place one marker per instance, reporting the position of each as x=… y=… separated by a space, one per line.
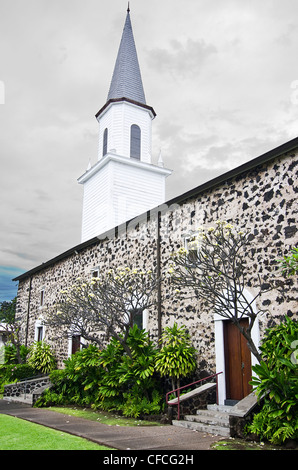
x=110 y=157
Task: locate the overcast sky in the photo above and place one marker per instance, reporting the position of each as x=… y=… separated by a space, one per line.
x=222 y=76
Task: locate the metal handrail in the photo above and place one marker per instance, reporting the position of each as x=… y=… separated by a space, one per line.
x=189 y=385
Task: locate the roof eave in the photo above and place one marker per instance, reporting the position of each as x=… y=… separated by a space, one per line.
x=127 y=100
x=245 y=167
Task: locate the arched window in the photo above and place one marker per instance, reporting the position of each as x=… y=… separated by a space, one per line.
x=105 y=142
x=135 y=142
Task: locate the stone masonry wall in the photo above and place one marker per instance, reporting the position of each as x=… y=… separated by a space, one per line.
x=26 y=387
x=263 y=199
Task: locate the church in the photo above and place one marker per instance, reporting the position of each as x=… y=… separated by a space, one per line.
x=126 y=221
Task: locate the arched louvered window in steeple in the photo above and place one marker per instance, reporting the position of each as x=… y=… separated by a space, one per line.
x=135 y=142
x=105 y=142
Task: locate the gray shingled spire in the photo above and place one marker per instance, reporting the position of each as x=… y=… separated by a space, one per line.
x=126 y=80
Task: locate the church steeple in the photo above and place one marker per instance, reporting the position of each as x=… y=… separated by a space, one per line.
x=126 y=106
x=126 y=80
x=123 y=183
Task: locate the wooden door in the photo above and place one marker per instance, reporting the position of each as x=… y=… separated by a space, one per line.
x=76 y=344
x=237 y=361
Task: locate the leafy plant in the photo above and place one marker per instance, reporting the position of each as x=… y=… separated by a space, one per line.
x=277 y=383
x=138 y=368
x=128 y=376
x=41 y=357
x=109 y=388
x=10 y=353
x=110 y=379
x=177 y=358
x=135 y=406
x=289 y=263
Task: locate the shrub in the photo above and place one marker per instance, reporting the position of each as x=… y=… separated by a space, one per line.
x=41 y=357
x=277 y=383
x=10 y=353
x=78 y=382
x=110 y=379
x=10 y=373
x=176 y=358
x=18 y=372
x=129 y=383
x=135 y=405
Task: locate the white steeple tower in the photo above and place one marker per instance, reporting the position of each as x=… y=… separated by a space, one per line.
x=123 y=183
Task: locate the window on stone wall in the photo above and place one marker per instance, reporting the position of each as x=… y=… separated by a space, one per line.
x=139 y=318
x=191 y=247
x=75 y=343
x=94 y=273
x=41 y=298
x=39 y=333
x=135 y=142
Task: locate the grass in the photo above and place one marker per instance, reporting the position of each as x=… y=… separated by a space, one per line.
x=17 y=434
x=240 y=444
x=103 y=417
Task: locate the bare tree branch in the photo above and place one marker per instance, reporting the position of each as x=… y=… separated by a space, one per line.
x=214 y=266
x=106 y=304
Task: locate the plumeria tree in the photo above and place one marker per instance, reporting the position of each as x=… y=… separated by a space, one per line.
x=214 y=267
x=107 y=304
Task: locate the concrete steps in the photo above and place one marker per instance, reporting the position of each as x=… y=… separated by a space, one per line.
x=33 y=387
x=213 y=420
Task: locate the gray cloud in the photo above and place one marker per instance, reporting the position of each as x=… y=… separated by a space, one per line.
x=217 y=73
x=181 y=60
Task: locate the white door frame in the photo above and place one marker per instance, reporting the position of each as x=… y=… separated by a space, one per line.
x=220 y=351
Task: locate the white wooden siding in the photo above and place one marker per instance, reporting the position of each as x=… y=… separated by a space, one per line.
x=119 y=118
x=119 y=190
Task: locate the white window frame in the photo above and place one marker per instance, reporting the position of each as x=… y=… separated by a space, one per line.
x=95 y=272
x=39 y=324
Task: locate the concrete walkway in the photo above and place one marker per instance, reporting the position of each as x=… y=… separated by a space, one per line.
x=118 y=437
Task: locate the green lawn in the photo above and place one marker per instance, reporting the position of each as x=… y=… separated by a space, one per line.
x=17 y=434
x=104 y=417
